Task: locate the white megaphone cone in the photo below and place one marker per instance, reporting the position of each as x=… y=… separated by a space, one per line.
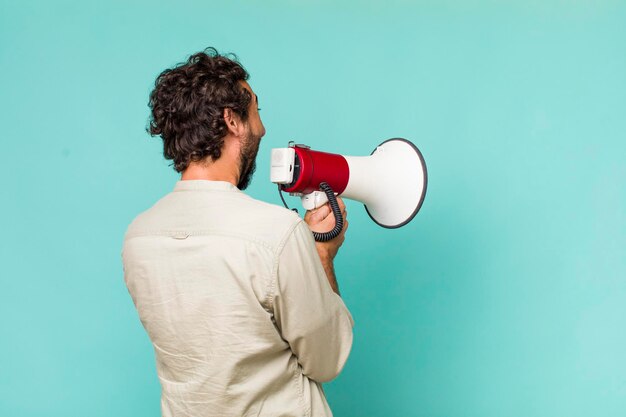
x=391 y=182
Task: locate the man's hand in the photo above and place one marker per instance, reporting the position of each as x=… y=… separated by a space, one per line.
x=322 y=220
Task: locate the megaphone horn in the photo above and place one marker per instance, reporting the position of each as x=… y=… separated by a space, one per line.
x=391 y=182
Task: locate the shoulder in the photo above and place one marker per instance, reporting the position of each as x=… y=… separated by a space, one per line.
x=147 y=220
x=274 y=212
x=270 y=222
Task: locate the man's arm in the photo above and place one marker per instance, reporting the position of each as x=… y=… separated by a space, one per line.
x=322 y=220
x=309 y=314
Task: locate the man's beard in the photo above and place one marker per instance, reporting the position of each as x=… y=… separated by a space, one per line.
x=247 y=157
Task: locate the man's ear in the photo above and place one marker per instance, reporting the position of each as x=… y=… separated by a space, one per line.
x=233 y=122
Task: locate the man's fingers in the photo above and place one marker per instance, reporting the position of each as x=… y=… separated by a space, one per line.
x=325 y=211
x=321 y=213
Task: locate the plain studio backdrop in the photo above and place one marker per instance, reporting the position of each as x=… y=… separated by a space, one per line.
x=505 y=296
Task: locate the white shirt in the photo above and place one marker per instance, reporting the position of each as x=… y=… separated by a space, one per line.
x=235 y=300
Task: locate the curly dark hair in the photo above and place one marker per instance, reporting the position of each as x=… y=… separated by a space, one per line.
x=188 y=103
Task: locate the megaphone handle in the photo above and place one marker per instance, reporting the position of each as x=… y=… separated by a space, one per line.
x=334 y=205
x=313 y=200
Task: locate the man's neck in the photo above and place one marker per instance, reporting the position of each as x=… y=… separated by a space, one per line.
x=195 y=172
x=226 y=168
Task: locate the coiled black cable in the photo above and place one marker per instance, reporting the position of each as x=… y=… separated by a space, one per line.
x=334 y=205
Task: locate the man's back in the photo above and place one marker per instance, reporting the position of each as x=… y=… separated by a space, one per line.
x=236 y=303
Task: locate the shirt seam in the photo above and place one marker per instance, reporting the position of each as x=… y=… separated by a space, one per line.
x=274 y=273
x=204 y=232
x=297 y=374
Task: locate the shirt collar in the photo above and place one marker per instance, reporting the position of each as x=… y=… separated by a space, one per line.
x=204 y=185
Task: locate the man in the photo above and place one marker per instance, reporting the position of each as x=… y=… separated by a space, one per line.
x=240 y=303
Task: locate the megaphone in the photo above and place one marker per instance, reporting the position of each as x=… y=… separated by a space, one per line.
x=391 y=182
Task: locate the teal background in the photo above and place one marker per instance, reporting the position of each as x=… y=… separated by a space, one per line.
x=504 y=297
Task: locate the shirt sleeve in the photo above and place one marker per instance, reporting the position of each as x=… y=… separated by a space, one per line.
x=310 y=316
